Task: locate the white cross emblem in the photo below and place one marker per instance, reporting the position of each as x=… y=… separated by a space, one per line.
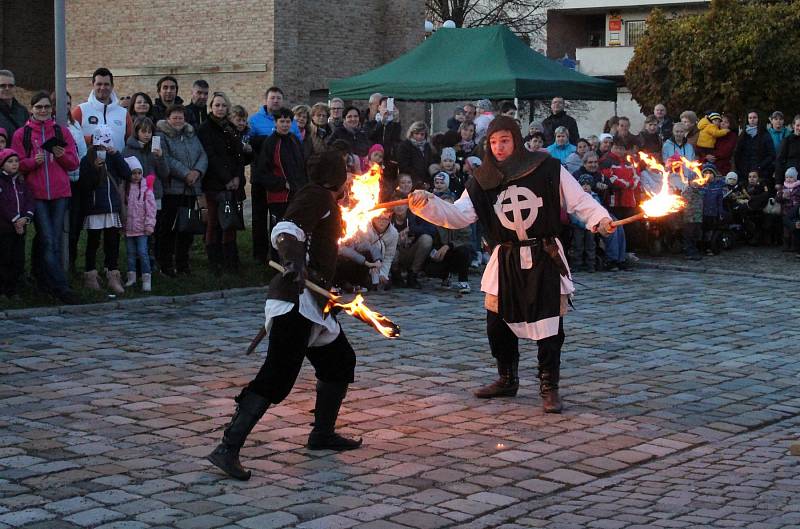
x=516 y=200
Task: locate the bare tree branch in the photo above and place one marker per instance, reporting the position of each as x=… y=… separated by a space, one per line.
x=524 y=17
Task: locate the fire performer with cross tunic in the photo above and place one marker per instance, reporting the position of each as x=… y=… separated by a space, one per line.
x=517 y=197
x=307 y=243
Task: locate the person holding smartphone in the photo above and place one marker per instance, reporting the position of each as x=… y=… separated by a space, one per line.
x=47 y=154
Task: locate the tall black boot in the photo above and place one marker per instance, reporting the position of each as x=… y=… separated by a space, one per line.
x=214 y=252
x=507 y=383
x=249 y=409
x=323 y=437
x=548 y=389
x=230 y=256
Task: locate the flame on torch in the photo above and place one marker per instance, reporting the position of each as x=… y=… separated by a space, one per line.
x=358 y=309
x=662 y=203
x=364 y=195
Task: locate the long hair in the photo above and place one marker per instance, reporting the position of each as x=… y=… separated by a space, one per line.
x=147 y=99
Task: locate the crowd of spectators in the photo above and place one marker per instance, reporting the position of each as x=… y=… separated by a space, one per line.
x=157 y=172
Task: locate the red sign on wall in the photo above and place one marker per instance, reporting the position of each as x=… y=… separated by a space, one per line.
x=615 y=24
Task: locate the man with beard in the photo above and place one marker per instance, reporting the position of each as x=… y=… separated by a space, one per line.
x=517 y=197
x=307 y=243
x=167 y=88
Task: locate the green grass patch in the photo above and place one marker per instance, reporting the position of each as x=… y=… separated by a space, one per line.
x=250 y=274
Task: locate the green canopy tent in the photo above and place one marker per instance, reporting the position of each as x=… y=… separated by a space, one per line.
x=474 y=63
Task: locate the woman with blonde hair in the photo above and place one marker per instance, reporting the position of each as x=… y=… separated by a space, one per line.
x=318 y=126
x=415 y=155
x=302 y=116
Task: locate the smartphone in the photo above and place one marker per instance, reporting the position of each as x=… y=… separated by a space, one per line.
x=155 y=144
x=390 y=104
x=53 y=142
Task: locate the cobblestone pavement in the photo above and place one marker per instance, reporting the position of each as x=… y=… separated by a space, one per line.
x=680 y=390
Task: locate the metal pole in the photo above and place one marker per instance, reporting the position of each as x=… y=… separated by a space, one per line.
x=61 y=100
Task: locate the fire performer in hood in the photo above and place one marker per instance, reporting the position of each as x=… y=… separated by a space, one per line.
x=306 y=240
x=517 y=196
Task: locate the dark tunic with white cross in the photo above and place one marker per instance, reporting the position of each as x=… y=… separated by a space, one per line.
x=522 y=218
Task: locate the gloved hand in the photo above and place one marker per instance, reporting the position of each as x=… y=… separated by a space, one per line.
x=293 y=257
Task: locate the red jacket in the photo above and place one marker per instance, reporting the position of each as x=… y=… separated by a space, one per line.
x=49 y=180
x=624 y=182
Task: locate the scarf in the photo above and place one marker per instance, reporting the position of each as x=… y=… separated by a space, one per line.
x=751 y=130
x=467 y=145
x=418 y=144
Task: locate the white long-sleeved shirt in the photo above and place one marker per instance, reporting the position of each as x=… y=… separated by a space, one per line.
x=381 y=246
x=462 y=213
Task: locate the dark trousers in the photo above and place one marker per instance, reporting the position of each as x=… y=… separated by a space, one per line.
x=76 y=217
x=258 y=204
x=692 y=233
x=172 y=246
x=288 y=345
x=633 y=231
x=12 y=262
x=214 y=232
x=504 y=344
x=456 y=261
x=110 y=248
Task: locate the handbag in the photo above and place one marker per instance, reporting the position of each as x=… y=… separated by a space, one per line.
x=189 y=218
x=230 y=212
x=772 y=207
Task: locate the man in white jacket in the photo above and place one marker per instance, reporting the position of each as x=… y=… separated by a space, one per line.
x=517 y=196
x=102 y=108
x=372 y=252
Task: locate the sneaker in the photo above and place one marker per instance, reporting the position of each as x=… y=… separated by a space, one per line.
x=462 y=287
x=631 y=257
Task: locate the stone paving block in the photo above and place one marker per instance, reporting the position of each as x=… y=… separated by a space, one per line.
x=94 y=516
x=273 y=520
x=24 y=517
x=329 y=522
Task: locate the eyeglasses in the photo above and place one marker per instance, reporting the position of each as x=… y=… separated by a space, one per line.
x=42 y=107
x=6 y=86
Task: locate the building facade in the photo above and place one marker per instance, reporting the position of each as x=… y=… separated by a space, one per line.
x=241 y=47
x=601 y=38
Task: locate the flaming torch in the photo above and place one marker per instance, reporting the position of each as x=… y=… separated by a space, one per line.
x=356 y=308
x=364 y=195
x=663 y=203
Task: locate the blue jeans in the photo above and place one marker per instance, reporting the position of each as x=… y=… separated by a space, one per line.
x=49 y=220
x=137 y=247
x=615 y=246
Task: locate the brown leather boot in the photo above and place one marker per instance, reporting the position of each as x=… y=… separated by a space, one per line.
x=548 y=389
x=506 y=385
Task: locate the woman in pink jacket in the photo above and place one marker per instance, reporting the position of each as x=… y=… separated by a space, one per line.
x=47 y=153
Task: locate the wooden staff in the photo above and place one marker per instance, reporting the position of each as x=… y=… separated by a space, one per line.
x=627 y=220
x=393 y=203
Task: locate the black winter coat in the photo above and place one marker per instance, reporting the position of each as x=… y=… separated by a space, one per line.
x=223 y=145
x=788 y=156
x=160 y=108
x=553 y=121
x=755 y=153
x=196 y=115
x=99 y=186
x=358 y=141
x=414 y=162
x=387 y=134
x=292 y=163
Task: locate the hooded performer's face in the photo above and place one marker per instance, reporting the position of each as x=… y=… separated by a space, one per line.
x=502 y=144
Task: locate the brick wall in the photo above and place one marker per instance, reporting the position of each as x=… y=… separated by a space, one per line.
x=241 y=46
x=27 y=42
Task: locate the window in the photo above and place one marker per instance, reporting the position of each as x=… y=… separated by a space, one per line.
x=634 y=31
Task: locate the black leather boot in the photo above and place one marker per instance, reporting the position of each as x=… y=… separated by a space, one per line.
x=214 y=252
x=323 y=437
x=230 y=255
x=548 y=389
x=250 y=408
x=506 y=385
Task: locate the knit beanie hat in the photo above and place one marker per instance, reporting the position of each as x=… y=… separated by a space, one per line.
x=444 y=176
x=133 y=163
x=713 y=115
x=449 y=153
x=102 y=136
x=586 y=179
x=4 y=133
x=484 y=104
x=5 y=154
x=791 y=173
x=732 y=178
x=605 y=136
x=474 y=161
x=710 y=167
x=375 y=148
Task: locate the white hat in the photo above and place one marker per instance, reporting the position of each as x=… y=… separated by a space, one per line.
x=474 y=161
x=102 y=136
x=484 y=104
x=133 y=163
x=791 y=173
x=732 y=178
x=449 y=153
x=605 y=136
